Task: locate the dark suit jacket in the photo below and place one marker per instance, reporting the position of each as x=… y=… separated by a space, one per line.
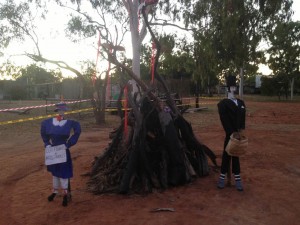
x=232 y=116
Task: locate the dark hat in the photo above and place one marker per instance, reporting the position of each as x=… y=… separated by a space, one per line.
x=62 y=106
x=230 y=81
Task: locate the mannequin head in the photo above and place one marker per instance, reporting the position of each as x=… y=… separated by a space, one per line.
x=61 y=108
x=232 y=89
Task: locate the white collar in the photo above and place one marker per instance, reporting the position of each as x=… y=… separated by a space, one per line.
x=61 y=123
x=234 y=100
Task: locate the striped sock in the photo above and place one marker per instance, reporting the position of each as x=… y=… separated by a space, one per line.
x=237 y=177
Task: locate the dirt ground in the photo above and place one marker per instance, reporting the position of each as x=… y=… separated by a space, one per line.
x=270 y=174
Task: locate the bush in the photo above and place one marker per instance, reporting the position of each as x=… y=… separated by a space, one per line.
x=17 y=92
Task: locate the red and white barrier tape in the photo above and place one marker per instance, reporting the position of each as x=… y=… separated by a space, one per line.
x=41 y=106
x=85 y=100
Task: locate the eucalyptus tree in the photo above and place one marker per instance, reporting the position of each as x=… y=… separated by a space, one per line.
x=18 y=20
x=284 y=59
x=116 y=19
x=17 y=23
x=228 y=33
x=205 y=60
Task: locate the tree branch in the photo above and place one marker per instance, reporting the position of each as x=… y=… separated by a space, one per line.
x=173 y=25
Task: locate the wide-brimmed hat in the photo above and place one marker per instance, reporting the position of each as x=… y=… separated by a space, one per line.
x=62 y=106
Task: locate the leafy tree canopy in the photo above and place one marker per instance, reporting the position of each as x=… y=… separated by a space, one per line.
x=34 y=74
x=285 y=49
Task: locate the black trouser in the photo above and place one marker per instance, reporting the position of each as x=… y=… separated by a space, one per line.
x=226 y=159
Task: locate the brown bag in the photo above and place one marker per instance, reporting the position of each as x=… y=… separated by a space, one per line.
x=237 y=144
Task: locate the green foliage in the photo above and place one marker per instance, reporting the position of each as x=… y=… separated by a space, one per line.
x=297 y=83
x=10 y=17
x=145 y=73
x=17 y=20
x=18 y=92
x=172 y=64
x=88 y=69
x=33 y=74
x=285 y=50
x=269 y=86
x=79 y=27
x=232 y=28
x=274 y=85
x=9 y=70
x=178 y=65
x=226 y=33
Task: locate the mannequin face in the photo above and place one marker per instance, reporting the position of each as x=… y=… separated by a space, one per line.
x=61 y=112
x=232 y=89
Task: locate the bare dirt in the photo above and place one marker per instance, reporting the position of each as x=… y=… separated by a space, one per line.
x=270 y=174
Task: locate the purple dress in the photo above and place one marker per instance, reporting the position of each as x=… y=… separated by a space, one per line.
x=56 y=132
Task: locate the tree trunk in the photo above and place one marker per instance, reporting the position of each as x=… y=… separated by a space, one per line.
x=292 y=88
x=241 y=89
x=99 y=116
x=136 y=45
x=197 y=95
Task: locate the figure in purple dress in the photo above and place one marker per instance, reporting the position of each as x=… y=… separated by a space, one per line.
x=58 y=131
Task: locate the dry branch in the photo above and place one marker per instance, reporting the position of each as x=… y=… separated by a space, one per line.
x=159 y=149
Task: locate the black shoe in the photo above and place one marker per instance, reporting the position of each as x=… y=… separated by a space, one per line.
x=69 y=197
x=51 y=197
x=221 y=183
x=238 y=185
x=65 y=201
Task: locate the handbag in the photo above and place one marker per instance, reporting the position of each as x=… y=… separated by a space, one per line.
x=237 y=144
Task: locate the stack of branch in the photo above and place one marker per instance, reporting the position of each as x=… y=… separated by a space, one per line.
x=158 y=152
x=155 y=149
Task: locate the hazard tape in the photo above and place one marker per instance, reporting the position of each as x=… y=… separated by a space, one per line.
x=24 y=120
x=41 y=106
x=85 y=100
x=81 y=110
x=52 y=115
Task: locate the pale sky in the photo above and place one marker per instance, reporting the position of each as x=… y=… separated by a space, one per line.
x=57 y=47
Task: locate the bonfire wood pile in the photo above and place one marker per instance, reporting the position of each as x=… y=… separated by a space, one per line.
x=158 y=152
x=155 y=149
